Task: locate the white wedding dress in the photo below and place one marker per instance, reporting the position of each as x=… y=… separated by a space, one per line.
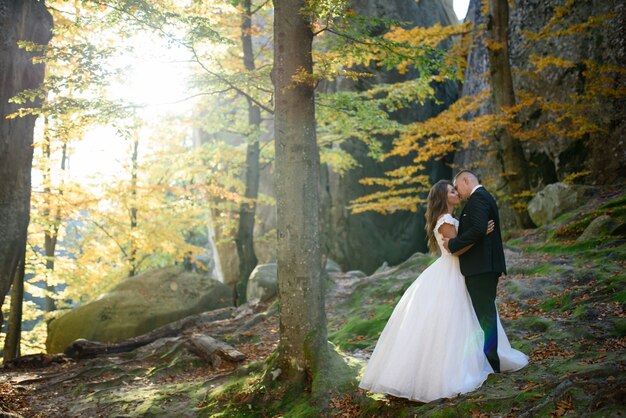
x=432 y=345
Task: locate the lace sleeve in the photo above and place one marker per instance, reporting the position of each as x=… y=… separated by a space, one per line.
x=447 y=219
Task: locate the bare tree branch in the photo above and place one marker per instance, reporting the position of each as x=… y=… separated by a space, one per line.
x=229 y=83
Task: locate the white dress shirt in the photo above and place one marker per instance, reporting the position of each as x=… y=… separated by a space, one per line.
x=474 y=189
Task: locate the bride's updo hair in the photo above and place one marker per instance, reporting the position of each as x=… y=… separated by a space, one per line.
x=436 y=206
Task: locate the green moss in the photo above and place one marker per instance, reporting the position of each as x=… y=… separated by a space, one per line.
x=579 y=312
x=304 y=409
x=545 y=270
x=619 y=329
x=560 y=303
x=257 y=394
x=173 y=367
x=515 y=242
x=617 y=203
x=619 y=297
x=449 y=413
x=340 y=372
x=79 y=388
x=141 y=400
x=528 y=396
x=357 y=332
x=512 y=270
x=575 y=248
x=616 y=279
x=357 y=322
x=228 y=399
x=534 y=323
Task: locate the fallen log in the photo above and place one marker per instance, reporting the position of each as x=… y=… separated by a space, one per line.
x=212 y=350
x=81 y=348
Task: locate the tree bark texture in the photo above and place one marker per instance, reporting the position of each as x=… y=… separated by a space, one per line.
x=515 y=164
x=14 y=329
x=245 y=230
x=26 y=20
x=300 y=287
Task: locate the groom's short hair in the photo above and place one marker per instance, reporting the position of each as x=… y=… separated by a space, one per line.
x=469 y=172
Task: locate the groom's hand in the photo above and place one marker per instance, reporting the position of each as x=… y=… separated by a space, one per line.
x=445 y=243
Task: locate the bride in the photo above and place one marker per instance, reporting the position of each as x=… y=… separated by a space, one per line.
x=432 y=345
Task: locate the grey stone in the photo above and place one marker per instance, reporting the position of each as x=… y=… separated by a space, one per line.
x=554 y=200
x=383 y=267
x=358 y=274
x=263 y=282
x=332 y=266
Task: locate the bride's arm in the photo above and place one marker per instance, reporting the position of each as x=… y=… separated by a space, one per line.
x=448 y=231
x=463 y=250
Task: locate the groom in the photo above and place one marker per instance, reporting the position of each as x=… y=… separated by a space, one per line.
x=482 y=264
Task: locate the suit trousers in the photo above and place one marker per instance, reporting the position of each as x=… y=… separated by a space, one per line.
x=482 y=290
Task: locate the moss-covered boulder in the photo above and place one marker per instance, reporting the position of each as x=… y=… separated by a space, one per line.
x=137 y=305
x=554 y=200
x=600 y=226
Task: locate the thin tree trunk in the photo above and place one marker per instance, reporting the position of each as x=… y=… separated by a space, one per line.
x=53 y=223
x=515 y=164
x=132 y=253
x=14 y=328
x=26 y=20
x=303 y=345
x=245 y=230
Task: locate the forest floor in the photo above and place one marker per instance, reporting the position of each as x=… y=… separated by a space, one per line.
x=563 y=303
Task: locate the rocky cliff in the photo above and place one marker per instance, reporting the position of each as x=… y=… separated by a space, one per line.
x=364 y=241
x=554 y=157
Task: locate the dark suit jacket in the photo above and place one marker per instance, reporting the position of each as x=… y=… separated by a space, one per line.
x=487 y=255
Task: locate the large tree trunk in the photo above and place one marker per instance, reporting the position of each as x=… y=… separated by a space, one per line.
x=303 y=343
x=19 y=20
x=515 y=165
x=245 y=231
x=14 y=328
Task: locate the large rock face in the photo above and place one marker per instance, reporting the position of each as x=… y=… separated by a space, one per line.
x=554 y=157
x=20 y=20
x=364 y=241
x=604 y=153
x=138 y=305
